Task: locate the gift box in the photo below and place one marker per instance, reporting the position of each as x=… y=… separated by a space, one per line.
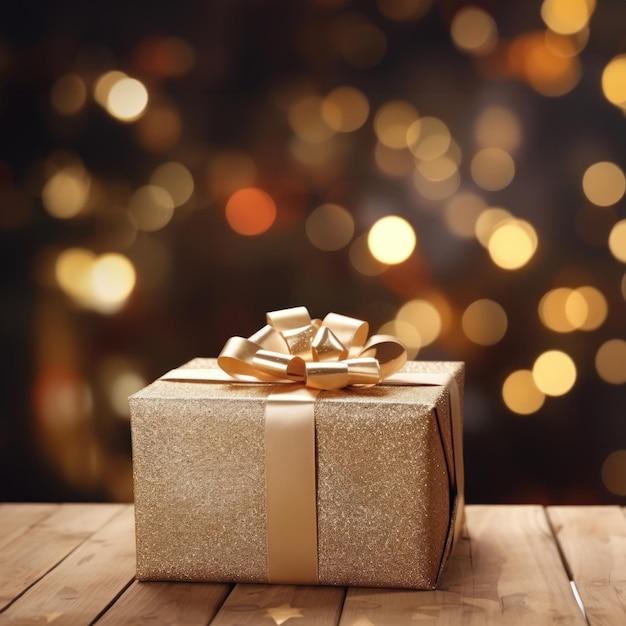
x=260 y=475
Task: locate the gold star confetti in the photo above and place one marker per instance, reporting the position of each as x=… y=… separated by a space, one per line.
x=363 y=621
x=280 y=614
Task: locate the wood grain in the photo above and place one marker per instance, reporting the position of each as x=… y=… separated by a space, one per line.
x=164 y=604
x=593 y=542
x=87 y=580
x=506 y=569
x=277 y=604
x=74 y=564
x=16 y=519
x=46 y=540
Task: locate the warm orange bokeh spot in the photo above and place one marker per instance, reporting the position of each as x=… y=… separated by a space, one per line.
x=250 y=211
x=530 y=58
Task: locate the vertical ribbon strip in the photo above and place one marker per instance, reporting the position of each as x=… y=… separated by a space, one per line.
x=290 y=480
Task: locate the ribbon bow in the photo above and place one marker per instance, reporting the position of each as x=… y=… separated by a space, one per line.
x=321 y=354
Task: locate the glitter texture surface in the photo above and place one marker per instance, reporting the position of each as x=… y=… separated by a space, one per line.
x=385 y=481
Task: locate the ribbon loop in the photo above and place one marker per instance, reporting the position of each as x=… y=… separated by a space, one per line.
x=364 y=371
x=327 y=375
x=388 y=351
x=350 y=331
x=237 y=359
x=299 y=340
x=327 y=347
x=269 y=339
x=288 y=319
x=281 y=366
x=329 y=354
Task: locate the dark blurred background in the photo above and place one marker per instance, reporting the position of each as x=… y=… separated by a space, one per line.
x=171 y=171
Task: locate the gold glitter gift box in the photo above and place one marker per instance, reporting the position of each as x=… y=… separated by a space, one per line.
x=387 y=492
x=377 y=504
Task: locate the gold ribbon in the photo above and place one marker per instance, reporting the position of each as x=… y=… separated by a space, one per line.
x=291 y=487
x=329 y=354
x=312 y=355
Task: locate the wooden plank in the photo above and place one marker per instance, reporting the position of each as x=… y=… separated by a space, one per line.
x=505 y=569
x=593 y=542
x=16 y=519
x=44 y=543
x=267 y=604
x=83 y=585
x=165 y=603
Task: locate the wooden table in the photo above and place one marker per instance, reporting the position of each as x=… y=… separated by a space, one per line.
x=75 y=564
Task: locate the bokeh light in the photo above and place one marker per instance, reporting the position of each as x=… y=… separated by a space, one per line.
x=103 y=85
x=393 y=162
x=437 y=180
x=567 y=17
x=176 y=179
x=439 y=169
x=392 y=121
x=120 y=378
x=345 y=109
x=121 y=388
x=604 y=183
x=553 y=310
x=488 y=220
x=498 y=127
x=461 y=213
x=564 y=309
x=151 y=208
x=492 y=169
x=250 y=211
x=424 y=317
x=66 y=192
x=614 y=472
x=614 y=81
x=362 y=259
x=611 y=361
x=521 y=394
x=484 y=322
x=428 y=137
x=307 y=121
x=567 y=45
x=406 y=333
x=127 y=99
x=391 y=240
x=330 y=227
x=587 y=307
x=73 y=272
x=474 y=31
x=554 y=372
x=549 y=72
x=617 y=241
x=68 y=94
x=113 y=279
x=102 y=283
x=512 y=244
